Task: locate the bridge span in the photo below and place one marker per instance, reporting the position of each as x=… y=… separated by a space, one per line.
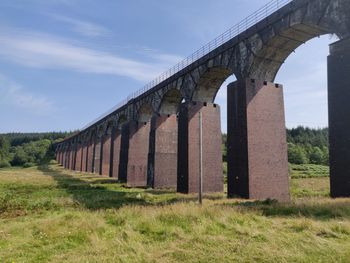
x=152 y=138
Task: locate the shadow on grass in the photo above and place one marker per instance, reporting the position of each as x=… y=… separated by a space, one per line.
x=95 y=193
x=323 y=209
x=92 y=194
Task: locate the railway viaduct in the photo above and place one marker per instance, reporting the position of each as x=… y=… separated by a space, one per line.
x=152 y=138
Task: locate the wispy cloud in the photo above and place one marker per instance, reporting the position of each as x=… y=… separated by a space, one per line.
x=48 y=52
x=82 y=27
x=13 y=94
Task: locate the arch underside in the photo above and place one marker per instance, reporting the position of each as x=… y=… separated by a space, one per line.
x=209 y=84
x=145 y=113
x=269 y=59
x=170 y=102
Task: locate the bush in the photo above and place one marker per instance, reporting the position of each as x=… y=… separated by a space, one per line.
x=4 y=164
x=20 y=157
x=27 y=165
x=296 y=154
x=317 y=156
x=38 y=152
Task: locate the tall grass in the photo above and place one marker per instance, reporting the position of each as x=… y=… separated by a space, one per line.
x=51 y=215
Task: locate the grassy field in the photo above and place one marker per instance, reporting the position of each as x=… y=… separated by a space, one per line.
x=308 y=171
x=51 y=215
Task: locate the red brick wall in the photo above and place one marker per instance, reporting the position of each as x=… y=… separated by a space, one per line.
x=97 y=156
x=138 y=154
x=213 y=179
x=188 y=156
x=60 y=158
x=267 y=148
x=116 y=154
x=165 y=156
x=258 y=165
x=69 y=155
x=72 y=158
x=106 y=155
x=64 y=159
x=83 y=161
x=90 y=157
x=78 y=158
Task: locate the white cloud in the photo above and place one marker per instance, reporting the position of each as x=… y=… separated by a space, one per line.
x=13 y=94
x=47 y=52
x=83 y=27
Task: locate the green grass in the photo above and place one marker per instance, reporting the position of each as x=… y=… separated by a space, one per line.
x=51 y=215
x=308 y=170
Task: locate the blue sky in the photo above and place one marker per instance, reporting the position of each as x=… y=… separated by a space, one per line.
x=65 y=62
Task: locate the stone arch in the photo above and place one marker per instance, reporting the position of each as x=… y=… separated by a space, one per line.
x=121 y=120
x=144 y=113
x=170 y=102
x=92 y=134
x=109 y=126
x=272 y=46
x=100 y=130
x=209 y=83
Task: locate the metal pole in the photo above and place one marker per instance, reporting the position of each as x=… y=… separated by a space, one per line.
x=200 y=192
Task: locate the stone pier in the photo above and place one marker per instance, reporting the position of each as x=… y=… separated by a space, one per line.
x=189 y=149
x=339 y=117
x=256 y=143
x=115 y=152
x=106 y=154
x=162 y=162
x=138 y=135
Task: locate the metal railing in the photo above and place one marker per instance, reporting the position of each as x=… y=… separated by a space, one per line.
x=234 y=31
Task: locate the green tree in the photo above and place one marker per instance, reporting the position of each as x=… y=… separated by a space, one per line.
x=4 y=148
x=20 y=157
x=296 y=154
x=316 y=156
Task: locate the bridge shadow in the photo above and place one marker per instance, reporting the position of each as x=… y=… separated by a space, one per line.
x=96 y=193
x=322 y=209
x=93 y=194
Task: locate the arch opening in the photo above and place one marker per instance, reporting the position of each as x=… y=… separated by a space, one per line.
x=304 y=77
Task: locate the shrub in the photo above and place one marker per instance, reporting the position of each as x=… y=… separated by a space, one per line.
x=27 y=165
x=317 y=156
x=296 y=154
x=20 y=157
x=4 y=164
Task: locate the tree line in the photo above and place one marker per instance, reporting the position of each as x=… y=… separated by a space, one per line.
x=28 y=149
x=305 y=146
x=308 y=146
